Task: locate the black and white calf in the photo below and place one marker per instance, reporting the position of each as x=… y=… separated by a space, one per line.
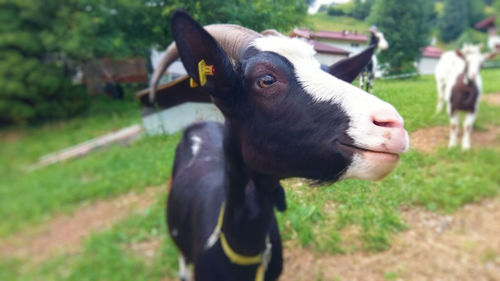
x=459 y=84
x=367 y=76
x=286 y=116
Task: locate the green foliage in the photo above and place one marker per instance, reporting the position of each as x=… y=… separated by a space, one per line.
x=89 y=29
x=357 y=9
x=322 y=21
x=476 y=11
x=496 y=9
x=334 y=11
x=42 y=42
x=34 y=88
x=257 y=15
x=344 y=9
x=454 y=19
x=362 y=8
x=406 y=26
x=470 y=36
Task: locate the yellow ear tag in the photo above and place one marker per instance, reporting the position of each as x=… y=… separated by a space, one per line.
x=204 y=70
x=192 y=83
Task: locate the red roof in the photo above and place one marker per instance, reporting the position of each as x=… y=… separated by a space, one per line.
x=488 y=22
x=432 y=52
x=301 y=32
x=325 y=48
x=332 y=35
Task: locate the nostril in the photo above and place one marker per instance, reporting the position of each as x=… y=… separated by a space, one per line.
x=384 y=124
x=387 y=119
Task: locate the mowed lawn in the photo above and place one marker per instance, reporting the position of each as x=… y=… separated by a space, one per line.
x=340 y=218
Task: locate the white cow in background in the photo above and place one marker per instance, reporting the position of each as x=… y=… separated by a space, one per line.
x=459 y=84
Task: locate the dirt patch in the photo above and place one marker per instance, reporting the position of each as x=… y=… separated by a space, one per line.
x=492 y=99
x=463 y=246
x=428 y=140
x=11 y=136
x=146 y=249
x=64 y=233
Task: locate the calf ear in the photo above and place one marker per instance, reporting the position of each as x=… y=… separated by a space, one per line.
x=348 y=69
x=459 y=53
x=491 y=55
x=205 y=61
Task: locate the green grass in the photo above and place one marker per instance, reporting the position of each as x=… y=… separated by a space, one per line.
x=28 y=197
x=29 y=143
x=491 y=83
x=344 y=217
x=32 y=197
x=322 y=21
x=109 y=255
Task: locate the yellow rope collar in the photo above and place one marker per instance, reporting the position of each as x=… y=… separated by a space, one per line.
x=262 y=259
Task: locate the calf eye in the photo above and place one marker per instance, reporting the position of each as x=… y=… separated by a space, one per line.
x=265 y=81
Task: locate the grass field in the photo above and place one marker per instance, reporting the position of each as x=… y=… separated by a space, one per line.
x=345 y=217
x=322 y=21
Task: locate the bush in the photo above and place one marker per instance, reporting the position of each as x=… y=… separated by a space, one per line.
x=34 y=91
x=454 y=20
x=345 y=9
x=33 y=87
x=406 y=26
x=334 y=11
x=362 y=9
x=470 y=36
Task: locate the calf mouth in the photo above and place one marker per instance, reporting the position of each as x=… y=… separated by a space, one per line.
x=360 y=150
x=368 y=164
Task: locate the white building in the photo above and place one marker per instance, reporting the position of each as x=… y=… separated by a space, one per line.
x=176 y=105
x=428 y=61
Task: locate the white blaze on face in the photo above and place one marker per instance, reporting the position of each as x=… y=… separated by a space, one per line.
x=474 y=60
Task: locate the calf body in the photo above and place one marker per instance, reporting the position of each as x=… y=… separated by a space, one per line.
x=206 y=178
x=286 y=116
x=459 y=84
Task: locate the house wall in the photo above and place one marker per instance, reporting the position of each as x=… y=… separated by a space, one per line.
x=174 y=119
x=352 y=47
x=427 y=65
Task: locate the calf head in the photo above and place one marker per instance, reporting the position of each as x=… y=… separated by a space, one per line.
x=471 y=55
x=382 y=44
x=290 y=116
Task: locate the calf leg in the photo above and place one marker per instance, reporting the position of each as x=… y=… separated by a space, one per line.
x=454 y=123
x=441 y=95
x=184 y=270
x=370 y=82
x=362 y=80
x=468 y=123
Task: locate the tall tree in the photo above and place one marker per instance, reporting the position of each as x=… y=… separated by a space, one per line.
x=476 y=12
x=33 y=85
x=362 y=8
x=257 y=14
x=406 y=26
x=454 y=20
